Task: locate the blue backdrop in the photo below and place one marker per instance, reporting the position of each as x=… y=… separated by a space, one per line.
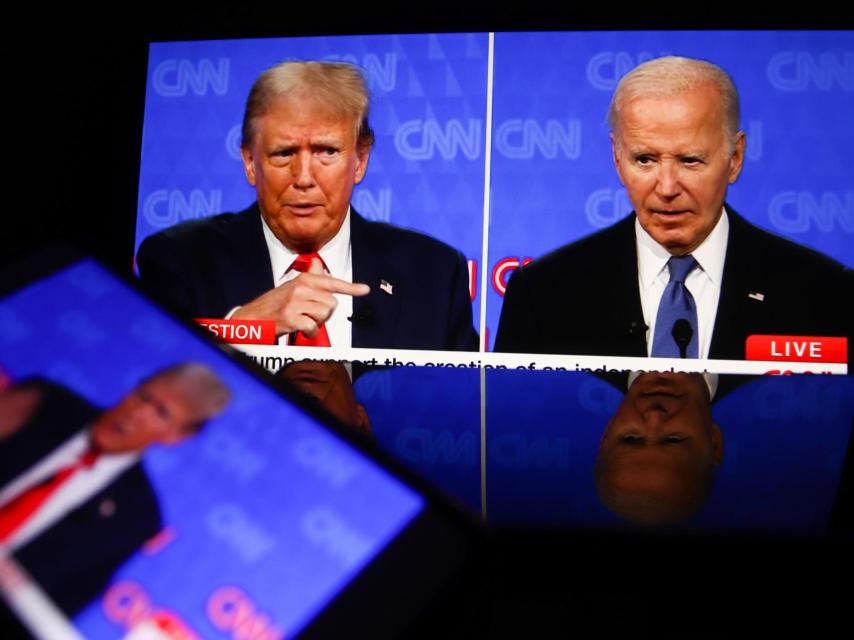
x=428 y=102
x=552 y=179
x=785 y=439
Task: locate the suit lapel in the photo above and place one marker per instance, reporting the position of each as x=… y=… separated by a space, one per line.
x=374 y=315
x=247 y=273
x=628 y=334
x=741 y=304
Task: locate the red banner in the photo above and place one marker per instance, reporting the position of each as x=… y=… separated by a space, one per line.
x=241 y=331
x=797 y=349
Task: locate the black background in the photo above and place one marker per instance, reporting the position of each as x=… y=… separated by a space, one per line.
x=75 y=81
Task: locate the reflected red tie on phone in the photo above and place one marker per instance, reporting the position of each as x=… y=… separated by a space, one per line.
x=14 y=514
x=298 y=338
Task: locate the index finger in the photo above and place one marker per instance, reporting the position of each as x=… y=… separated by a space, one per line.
x=336 y=285
x=316 y=266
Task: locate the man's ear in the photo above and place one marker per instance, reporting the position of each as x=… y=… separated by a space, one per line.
x=363 y=153
x=717 y=445
x=615 y=154
x=737 y=158
x=175 y=436
x=363 y=422
x=248 y=164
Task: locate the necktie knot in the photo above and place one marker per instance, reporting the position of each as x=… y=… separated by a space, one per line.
x=17 y=512
x=88 y=459
x=680 y=267
x=302 y=262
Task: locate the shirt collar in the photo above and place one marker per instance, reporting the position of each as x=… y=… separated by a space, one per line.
x=335 y=253
x=710 y=255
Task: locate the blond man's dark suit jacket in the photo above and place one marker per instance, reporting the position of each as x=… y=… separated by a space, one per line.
x=205 y=268
x=75 y=558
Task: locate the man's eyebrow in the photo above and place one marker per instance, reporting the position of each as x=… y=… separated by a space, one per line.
x=641 y=151
x=327 y=140
x=283 y=146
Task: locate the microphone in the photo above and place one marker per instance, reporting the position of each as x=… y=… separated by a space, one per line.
x=682 y=333
x=637 y=328
x=363 y=316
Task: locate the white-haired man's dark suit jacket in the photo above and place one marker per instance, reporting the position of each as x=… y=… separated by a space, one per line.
x=584 y=299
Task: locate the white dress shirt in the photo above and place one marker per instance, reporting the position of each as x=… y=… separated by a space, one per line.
x=82 y=485
x=336 y=255
x=704 y=281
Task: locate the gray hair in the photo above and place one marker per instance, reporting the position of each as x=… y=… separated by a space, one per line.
x=339 y=86
x=671 y=76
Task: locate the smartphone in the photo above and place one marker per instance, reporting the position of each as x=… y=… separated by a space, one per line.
x=220 y=504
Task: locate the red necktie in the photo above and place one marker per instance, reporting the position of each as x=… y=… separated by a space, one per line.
x=321 y=338
x=14 y=514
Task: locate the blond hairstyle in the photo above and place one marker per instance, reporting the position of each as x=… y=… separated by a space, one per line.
x=340 y=87
x=200 y=388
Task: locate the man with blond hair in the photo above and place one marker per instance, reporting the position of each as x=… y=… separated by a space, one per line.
x=684 y=275
x=75 y=500
x=300 y=255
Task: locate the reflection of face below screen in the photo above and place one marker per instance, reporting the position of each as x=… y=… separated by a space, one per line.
x=531 y=463
x=659 y=452
x=329 y=385
x=260 y=486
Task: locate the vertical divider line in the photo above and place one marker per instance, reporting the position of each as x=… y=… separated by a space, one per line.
x=483 y=442
x=484 y=261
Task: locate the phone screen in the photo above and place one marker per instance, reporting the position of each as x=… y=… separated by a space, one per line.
x=253 y=521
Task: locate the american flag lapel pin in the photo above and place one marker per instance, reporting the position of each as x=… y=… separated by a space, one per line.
x=756 y=296
x=386 y=286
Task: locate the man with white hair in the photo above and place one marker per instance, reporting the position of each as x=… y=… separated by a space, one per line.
x=684 y=275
